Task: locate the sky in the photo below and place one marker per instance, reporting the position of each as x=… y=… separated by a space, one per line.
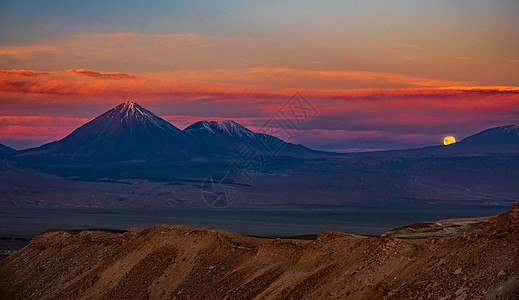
x=376 y=74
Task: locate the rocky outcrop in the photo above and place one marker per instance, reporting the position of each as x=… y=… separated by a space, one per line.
x=182 y=262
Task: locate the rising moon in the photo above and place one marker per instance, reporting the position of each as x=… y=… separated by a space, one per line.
x=449 y=140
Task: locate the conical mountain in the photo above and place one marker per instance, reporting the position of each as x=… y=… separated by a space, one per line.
x=126 y=132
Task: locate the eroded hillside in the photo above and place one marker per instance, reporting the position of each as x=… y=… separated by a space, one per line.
x=181 y=262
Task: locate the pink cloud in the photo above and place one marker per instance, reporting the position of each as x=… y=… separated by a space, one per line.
x=343 y=115
x=19 y=132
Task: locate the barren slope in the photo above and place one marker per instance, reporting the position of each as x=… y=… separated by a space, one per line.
x=181 y=262
x=441 y=228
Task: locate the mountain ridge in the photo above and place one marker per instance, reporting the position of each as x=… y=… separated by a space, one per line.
x=229 y=135
x=6 y=151
x=129 y=131
x=495 y=138
x=228 y=127
x=4 y=148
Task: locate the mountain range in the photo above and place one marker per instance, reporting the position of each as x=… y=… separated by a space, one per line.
x=128 y=156
x=131 y=132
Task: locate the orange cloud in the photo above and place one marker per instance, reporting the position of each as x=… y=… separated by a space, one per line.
x=462 y=58
x=28 y=73
x=398 y=112
x=91 y=83
x=44 y=128
x=283 y=78
x=28 y=52
x=102 y=74
x=83 y=83
x=48 y=133
x=362 y=76
x=284 y=63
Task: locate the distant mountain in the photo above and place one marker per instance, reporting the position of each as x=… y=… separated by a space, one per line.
x=497 y=140
x=226 y=128
x=131 y=132
x=126 y=132
x=500 y=139
x=479 y=170
x=231 y=136
x=4 y=150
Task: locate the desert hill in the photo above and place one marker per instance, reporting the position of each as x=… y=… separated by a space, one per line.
x=182 y=262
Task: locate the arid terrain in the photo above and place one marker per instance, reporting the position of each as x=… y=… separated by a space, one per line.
x=441 y=228
x=182 y=262
x=259 y=150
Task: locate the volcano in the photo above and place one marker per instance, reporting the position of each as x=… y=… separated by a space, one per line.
x=231 y=136
x=126 y=132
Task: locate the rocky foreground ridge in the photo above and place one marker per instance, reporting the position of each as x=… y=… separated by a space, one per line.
x=183 y=262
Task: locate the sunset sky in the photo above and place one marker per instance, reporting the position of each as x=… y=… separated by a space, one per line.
x=380 y=74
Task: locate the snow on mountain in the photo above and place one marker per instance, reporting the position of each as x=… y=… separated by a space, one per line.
x=230 y=136
x=133 y=112
x=128 y=131
x=225 y=127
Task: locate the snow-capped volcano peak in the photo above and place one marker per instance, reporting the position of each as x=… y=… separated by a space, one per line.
x=225 y=127
x=129 y=105
x=132 y=112
x=128 y=108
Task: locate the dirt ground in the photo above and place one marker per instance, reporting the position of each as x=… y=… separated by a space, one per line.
x=182 y=262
